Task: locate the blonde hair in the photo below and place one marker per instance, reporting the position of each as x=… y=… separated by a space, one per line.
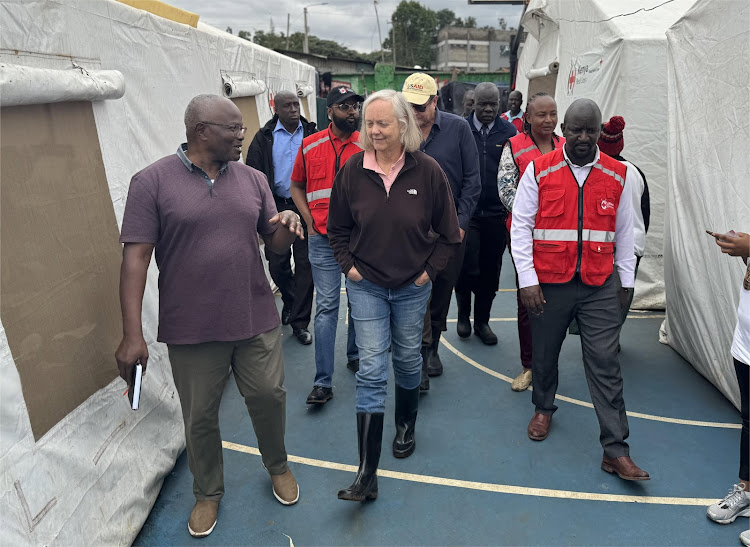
x=411 y=137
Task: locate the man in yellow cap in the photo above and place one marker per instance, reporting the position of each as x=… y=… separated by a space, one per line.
x=448 y=139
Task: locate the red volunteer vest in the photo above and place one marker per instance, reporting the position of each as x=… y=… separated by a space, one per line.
x=524 y=152
x=566 y=241
x=320 y=159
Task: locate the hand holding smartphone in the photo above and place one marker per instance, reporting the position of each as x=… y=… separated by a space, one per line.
x=134 y=390
x=731 y=234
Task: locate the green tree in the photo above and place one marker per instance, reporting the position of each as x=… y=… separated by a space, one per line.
x=415 y=30
x=445 y=18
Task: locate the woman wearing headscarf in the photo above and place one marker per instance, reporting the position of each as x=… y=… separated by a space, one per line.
x=392 y=225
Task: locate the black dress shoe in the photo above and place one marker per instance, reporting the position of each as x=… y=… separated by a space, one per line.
x=304 y=336
x=319 y=395
x=485 y=333
x=353 y=365
x=286 y=313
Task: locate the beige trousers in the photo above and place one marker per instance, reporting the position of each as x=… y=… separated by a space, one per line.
x=200 y=373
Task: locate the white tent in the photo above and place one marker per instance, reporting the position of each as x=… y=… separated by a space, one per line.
x=708 y=182
x=615 y=53
x=92 y=92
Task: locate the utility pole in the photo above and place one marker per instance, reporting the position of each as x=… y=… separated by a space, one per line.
x=380 y=37
x=287 y=32
x=393 y=43
x=306 y=46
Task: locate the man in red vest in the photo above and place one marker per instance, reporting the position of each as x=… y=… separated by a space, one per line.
x=570 y=229
x=320 y=157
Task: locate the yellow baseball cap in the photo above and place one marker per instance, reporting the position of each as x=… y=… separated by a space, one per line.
x=419 y=87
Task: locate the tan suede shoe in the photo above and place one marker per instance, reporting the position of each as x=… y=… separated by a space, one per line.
x=285 y=488
x=203 y=518
x=522 y=381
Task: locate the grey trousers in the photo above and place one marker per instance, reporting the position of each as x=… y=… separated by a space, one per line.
x=597 y=311
x=200 y=373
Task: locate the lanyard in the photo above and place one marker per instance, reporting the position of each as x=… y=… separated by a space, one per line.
x=338 y=156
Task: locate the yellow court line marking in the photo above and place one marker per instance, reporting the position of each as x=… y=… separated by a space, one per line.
x=586 y=404
x=486 y=486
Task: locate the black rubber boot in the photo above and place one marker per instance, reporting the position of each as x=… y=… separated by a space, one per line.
x=434 y=364
x=424 y=385
x=370 y=437
x=407 y=403
x=482 y=306
x=463 y=302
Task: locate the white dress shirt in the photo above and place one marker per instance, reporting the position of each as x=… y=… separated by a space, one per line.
x=526 y=206
x=637 y=187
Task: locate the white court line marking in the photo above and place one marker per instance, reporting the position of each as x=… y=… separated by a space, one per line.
x=578 y=402
x=486 y=486
x=509 y=319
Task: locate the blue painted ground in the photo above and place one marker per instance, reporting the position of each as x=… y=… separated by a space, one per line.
x=472 y=427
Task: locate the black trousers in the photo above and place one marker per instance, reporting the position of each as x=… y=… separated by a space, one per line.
x=743 y=377
x=296 y=288
x=597 y=311
x=442 y=292
x=480 y=272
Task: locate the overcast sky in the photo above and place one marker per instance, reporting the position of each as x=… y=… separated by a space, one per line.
x=352 y=23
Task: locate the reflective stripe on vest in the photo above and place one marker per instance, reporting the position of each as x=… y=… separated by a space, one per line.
x=572 y=235
x=523 y=151
x=611 y=173
x=312 y=145
x=550 y=169
x=318 y=194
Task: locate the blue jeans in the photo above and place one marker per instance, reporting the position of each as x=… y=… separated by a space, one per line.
x=384 y=317
x=327 y=280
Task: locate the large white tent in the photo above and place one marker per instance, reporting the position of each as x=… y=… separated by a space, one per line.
x=616 y=54
x=708 y=182
x=678 y=73
x=92 y=92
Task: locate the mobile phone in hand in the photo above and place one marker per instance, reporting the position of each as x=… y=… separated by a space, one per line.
x=134 y=393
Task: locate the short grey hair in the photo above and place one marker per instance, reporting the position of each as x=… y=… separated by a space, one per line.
x=196 y=110
x=411 y=137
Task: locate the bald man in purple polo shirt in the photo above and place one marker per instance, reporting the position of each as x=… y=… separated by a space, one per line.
x=200 y=210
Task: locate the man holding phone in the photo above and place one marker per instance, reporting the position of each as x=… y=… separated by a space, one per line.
x=200 y=209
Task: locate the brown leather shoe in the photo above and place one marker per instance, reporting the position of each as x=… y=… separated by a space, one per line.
x=203 y=518
x=539 y=426
x=285 y=488
x=625 y=468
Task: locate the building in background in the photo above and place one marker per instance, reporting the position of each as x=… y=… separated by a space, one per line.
x=473 y=49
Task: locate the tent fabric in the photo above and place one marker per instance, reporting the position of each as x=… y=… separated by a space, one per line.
x=20 y=85
x=94 y=476
x=619 y=61
x=708 y=182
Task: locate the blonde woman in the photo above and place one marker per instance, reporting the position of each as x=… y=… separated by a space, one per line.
x=392 y=225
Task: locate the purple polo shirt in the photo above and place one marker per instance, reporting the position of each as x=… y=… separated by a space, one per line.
x=212 y=285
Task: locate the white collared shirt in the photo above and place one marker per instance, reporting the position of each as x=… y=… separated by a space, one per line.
x=525 y=208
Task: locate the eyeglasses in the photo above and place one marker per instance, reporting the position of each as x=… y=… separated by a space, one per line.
x=421 y=107
x=238 y=130
x=346 y=107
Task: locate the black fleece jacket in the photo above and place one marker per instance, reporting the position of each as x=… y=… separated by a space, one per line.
x=393 y=237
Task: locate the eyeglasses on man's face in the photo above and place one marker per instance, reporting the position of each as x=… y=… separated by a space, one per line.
x=421 y=107
x=238 y=130
x=346 y=107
